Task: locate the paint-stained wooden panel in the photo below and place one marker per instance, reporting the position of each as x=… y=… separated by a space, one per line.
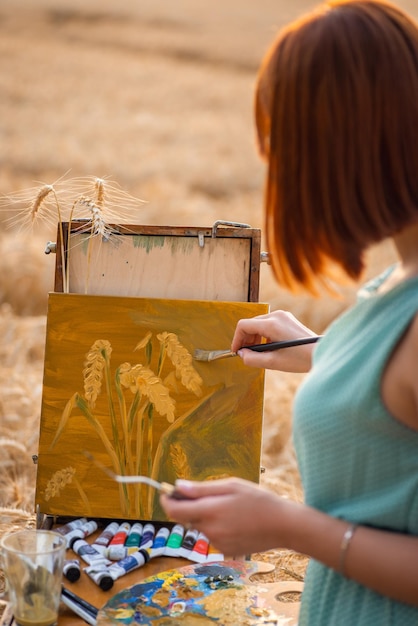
x=120 y=383
x=164 y=263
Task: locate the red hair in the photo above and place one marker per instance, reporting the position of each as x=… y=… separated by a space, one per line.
x=336 y=112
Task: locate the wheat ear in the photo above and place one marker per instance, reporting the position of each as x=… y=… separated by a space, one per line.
x=98 y=223
x=35 y=208
x=99 y=186
x=43 y=192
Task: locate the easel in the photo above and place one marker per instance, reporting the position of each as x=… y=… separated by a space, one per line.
x=220 y=263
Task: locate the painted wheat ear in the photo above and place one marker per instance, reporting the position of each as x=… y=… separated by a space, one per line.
x=182 y=361
x=58 y=481
x=142 y=379
x=93 y=369
x=179 y=460
x=144 y=342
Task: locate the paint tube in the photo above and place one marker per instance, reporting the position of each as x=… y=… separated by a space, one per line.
x=158 y=545
x=99 y=574
x=87 y=552
x=147 y=537
x=102 y=541
x=120 y=535
x=117 y=553
x=80 y=533
x=188 y=543
x=134 y=536
x=131 y=562
x=200 y=549
x=214 y=555
x=71 y=570
x=174 y=541
x=63 y=530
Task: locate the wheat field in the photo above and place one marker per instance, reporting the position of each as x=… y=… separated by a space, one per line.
x=158 y=97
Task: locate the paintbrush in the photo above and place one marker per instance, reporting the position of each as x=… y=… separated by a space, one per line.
x=166 y=488
x=81 y=607
x=215 y=355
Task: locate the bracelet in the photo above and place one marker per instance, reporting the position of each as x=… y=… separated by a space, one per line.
x=345 y=544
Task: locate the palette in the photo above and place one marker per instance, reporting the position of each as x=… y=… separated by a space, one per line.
x=227 y=593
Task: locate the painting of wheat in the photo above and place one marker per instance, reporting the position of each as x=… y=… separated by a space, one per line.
x=120 y=383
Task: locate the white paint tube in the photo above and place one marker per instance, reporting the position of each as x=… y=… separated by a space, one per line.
x=131 y=562
x=147 y=536
x=134 y=536
x=99 y=574
x=200 y=549
x=87 y=552
x=76 y=523
x=103 y=540
x=188 y=543
x=158 y=545
x=71 y=570
x=173 y=545
x=120 y=536
x=117 y=553
x=80 y=533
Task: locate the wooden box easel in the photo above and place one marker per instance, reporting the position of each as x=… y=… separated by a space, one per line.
x=218 y=264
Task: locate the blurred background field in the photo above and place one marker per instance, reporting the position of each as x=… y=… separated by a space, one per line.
x=157 y=96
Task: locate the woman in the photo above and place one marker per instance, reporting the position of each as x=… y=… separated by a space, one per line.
x=337 y=117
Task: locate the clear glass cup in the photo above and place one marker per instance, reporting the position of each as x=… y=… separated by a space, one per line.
x=32 y=561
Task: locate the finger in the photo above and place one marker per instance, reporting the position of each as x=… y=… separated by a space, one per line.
x=184 y=512
x=195 y=489
x=251 y=358
x=247 y=337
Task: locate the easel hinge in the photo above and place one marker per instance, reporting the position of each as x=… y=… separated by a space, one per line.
x=265 y=258
x=201 y=238
x=51 y=246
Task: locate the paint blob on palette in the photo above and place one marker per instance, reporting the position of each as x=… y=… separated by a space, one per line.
x=200 y=595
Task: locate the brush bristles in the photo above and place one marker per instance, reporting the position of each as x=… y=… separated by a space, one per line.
x=212 y=355
x=201 y=355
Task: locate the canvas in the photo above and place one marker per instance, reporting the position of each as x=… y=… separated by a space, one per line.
x=120 y=384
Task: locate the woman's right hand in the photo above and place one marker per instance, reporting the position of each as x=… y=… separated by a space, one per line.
x=276 y=326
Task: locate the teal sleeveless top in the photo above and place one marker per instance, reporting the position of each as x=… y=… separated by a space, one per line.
x=357 y=462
